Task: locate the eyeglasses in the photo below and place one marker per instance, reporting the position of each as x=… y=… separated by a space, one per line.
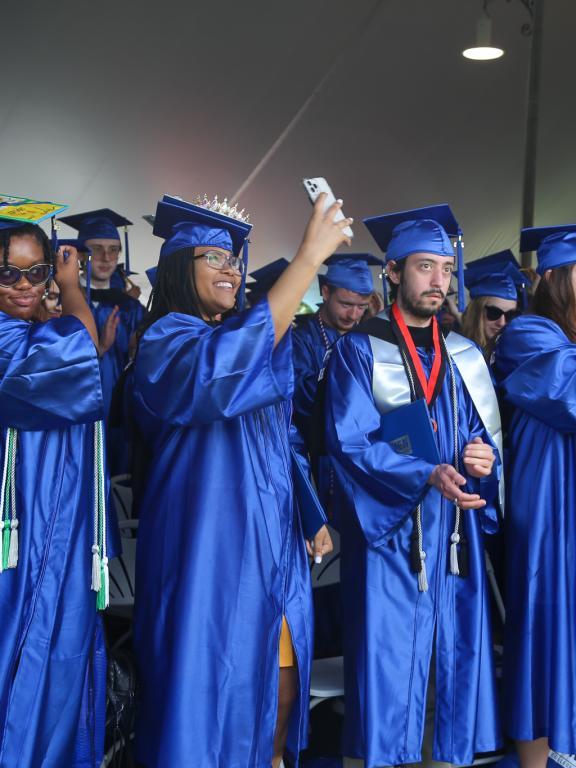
x=101 y=250
x=495 y=313
x=36 y=275
x=218 y=260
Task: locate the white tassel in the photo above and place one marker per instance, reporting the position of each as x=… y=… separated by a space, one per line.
x=422 y=576
x=96 y=580
x=13 y=550
x=455 y=540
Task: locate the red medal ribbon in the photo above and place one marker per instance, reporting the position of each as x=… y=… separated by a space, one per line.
x=428 y=385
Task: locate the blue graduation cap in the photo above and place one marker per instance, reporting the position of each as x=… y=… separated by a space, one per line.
x=420 y=230
x=264 y=278
x=101 y=224
x=204 y=223
x=496 y=275
x=555 y=246
x=151 y=275
x=350 y=271
x=498 y=285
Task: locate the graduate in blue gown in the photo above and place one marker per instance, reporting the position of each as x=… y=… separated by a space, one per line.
x=52 y=531
x=222 y=589
x=412 y=523
x=535 y=365
x=346 y=290
x=116 y=312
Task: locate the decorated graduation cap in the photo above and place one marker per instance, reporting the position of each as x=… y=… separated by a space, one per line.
x=555 y=246
x=350 y=271
x=203 y=223
x=17 y=211
x=264 y=278
x=420 y=230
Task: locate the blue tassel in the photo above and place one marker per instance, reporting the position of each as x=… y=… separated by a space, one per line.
x=385 y=290
x=126 y=253
x=88 y=276
x=460 y=268
x=54 y=235
x=241 y=292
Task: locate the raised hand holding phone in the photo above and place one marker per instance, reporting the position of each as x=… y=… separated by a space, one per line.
x=317 y=186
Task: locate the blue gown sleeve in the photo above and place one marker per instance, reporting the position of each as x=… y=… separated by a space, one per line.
x=305 y=372
x=486 y=487
x=49 y=374
x=188 y=373
x=388 y=484
x=535 y=365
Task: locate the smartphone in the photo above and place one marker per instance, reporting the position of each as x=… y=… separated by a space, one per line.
x=315 y=187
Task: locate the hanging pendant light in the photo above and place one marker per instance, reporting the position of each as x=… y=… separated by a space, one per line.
x=483 y=50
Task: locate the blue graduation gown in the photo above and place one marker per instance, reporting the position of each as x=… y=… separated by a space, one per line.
x=535 y=364
x=50 y=391
x=390 y=628
x=113 y=362
x=309 y=353
x=221 y=555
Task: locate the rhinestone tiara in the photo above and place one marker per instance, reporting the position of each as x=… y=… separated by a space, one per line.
x=223 y=208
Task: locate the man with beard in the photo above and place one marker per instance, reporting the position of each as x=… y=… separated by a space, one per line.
x=415 y=597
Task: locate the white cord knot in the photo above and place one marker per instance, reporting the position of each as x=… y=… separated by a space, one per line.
x=455 y=538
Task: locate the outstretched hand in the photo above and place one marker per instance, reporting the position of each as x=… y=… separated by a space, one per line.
x=446 y=480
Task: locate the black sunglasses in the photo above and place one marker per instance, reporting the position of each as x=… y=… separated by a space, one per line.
x=36 y=275
x=495 y=313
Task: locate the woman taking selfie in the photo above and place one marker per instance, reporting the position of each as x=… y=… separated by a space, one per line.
x=223 y=624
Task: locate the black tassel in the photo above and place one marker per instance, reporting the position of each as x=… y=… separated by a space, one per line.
x=415 y=561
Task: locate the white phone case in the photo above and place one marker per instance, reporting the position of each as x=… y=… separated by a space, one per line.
x=315 y=187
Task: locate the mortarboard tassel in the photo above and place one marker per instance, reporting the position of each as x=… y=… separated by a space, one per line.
x=126 y=253
x=385 y=289
x=242 y=291
x=460 y=268
x=88 y=275
x=54 y=234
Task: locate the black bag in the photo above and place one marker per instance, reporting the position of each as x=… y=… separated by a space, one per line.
x=121 y=698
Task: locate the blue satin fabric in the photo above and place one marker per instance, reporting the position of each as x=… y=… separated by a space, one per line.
x=221 y=555
x=535 y=365
x=309 y=351
x=50 y=391
x=390 y=628
x=113 y=362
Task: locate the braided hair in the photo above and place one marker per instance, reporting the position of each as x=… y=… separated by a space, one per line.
x=33 y=230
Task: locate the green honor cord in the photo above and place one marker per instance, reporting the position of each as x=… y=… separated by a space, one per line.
x=100 y=580
x=9 y=522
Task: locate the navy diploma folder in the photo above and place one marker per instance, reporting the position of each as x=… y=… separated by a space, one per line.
x=408 y=429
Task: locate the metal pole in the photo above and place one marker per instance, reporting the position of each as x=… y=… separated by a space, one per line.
x=531 y=148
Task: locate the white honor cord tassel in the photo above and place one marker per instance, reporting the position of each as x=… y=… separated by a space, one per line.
x=13 y=546
x=422 y=576
x=96 y=581
x=454 y=541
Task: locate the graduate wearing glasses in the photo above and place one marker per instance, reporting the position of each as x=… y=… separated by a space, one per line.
x=535 y=366
x=223 y=621
x=52 y=532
